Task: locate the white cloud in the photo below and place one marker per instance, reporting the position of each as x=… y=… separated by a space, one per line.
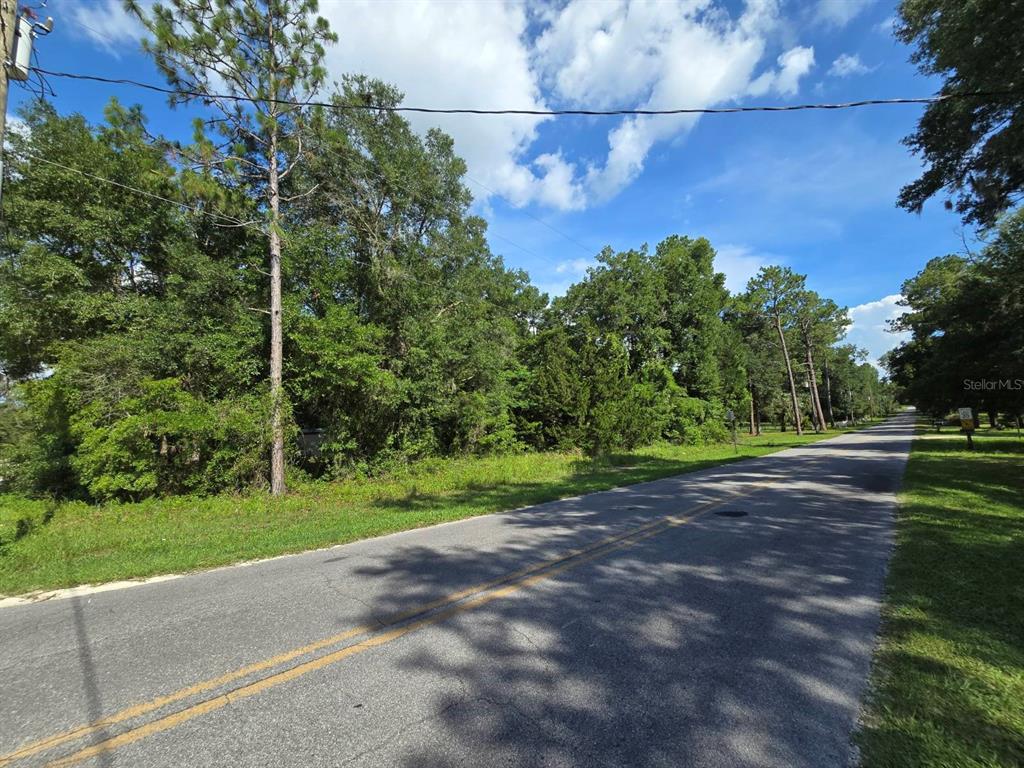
x=456 y=55
x=848 y=65
x=870 y=328
x=505 y=54
x=107 y=24
x=739 y=263
x=887 y=26
x=793 y=65
x=839 y=13
x=659 y=56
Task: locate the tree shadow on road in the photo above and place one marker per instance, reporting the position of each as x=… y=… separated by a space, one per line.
x=727 y=641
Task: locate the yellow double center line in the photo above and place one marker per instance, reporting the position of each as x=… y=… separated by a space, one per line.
x=380 y=633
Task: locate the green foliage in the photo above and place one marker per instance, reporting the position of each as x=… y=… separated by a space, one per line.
x=972 y=147
x=166 y=440
x=635 y=352
x=35 y=441
x=964 y=317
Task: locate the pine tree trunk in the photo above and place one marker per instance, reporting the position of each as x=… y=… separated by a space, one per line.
x=789 y=373
x=277 y=485
x=828 y=394
x=753 y=411
x=815 y=397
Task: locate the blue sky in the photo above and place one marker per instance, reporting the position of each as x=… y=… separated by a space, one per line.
x=812 y=190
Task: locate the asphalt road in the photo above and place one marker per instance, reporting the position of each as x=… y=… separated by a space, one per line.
x=721 y=618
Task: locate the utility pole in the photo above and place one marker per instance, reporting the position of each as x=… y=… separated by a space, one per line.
x=16 y=36
x=8 y=20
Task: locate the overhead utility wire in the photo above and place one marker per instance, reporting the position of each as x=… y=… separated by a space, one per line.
x=553 y=228
x=219 y=218
x=538 y=112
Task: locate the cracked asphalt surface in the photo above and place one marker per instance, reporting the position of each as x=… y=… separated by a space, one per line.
x=711 y=640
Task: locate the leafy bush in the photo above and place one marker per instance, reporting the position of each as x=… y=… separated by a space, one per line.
x=35 y=444
x=167 y=440
x=696 y=421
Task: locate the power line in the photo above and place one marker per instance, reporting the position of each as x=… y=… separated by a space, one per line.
x=218 y=218
x=553 y=228
x=540 y=112
x=192 y=209
x=515 y=244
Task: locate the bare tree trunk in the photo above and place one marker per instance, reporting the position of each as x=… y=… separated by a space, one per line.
x=754 y=426
x=815 y=397
x=277 y=486
x=815 y=424
x=789 y=373
x=828 y=394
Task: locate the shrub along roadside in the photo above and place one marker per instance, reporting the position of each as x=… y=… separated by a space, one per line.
x=91 y=544
x=948 y=681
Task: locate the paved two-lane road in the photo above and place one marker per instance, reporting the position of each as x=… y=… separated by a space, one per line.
x=721 y=618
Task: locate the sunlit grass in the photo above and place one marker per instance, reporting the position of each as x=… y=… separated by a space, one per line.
x=948 y=683
x=92 y=544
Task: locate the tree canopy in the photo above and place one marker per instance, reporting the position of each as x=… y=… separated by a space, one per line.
x=966 y=347
x=973 y=148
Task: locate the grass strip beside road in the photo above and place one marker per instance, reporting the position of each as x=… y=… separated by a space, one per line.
x=948 y=682
x=84 y=544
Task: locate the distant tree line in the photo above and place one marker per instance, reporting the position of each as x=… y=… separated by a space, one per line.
x=965 y=316
x=146 y=306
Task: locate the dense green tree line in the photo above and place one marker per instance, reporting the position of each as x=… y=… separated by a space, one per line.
x=137 y=305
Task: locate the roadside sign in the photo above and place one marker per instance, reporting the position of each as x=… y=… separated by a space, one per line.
x=966 y=418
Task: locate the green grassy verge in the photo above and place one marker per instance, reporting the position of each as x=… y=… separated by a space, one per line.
x=948 y=682
x=74 y=543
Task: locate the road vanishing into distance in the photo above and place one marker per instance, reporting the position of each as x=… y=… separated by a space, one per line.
x=720 y=618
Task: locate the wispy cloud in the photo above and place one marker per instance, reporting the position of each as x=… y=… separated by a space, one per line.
x=849 y=65
x=574 y=267
x=739 y=263
x=107 y=24
x=806 y=192
x=839 y=13
x=887 y=26
x=870 y=328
